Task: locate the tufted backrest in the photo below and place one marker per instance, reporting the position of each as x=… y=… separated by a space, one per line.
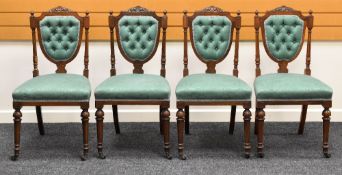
x=138 y=36
x=60 y=36
x=211 y=36
x=283 y=36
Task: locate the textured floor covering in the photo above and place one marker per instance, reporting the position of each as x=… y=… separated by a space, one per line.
x=138 y=150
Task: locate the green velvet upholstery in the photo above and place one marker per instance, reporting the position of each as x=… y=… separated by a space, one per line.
x=283 y=35
x=133 y=87
x=54 y=87
x=211 y=36
x=138 y=36
x=286 y=86
x=217 y=87
x=60 y=36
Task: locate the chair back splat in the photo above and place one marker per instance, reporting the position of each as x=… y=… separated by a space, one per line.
x=60 y=32
x=211 y=36
x=283 y=34
x=138 y=34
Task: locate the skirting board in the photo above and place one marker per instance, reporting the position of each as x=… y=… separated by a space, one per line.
x=151 y=115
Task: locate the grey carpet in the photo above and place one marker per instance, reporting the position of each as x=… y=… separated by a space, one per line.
x=138 y=150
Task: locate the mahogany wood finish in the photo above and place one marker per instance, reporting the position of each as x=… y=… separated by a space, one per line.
x=260 y=104
x=34 y=25
x=183 y=106
x=164 y=115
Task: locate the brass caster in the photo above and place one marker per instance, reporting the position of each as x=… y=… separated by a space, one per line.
x=327 y=155
x=14 y=158
x=84 y=157
x=168 y=156
x=182 y=157
x=101 y=156
x=261 y=155
x=247 y=155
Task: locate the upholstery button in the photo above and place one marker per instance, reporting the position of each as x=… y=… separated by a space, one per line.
x=211 y=40
x=71 y=24
x=143 y=47
x=126 y=39
x=138 y=38
x=132 y=46
x=66 y=47
x=144 y=31
x=138 y=23
x=59 y=24
x=150 y=23
x=149 y=38
x=216 y=47
x=200 y=23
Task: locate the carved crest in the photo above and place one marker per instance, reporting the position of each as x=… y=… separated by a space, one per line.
x=138 y=9
x=283 y=9
x=211 y=9
x=60 y=9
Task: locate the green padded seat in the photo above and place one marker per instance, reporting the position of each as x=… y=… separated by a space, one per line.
x=283 y=86
x=133 y=87
x=217 y=87
x=54 y=87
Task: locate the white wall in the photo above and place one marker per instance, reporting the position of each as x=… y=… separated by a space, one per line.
x=16 y=67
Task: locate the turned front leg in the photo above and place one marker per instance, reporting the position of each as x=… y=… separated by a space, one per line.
x=85 y=127
x=99 y=126
x=247 y=125
x=326 y=125
x=17 y=124
x=180 y=129
x=166 y=131
x=260 y=123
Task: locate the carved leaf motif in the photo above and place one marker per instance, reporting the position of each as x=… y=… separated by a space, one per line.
x=212 y=9
x=138 y=9
x=283 y=9
x=60 y=9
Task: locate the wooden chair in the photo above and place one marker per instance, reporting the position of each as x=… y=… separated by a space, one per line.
x=283 y=35
x=137 y=33
x=59 y=33
x=211 y=36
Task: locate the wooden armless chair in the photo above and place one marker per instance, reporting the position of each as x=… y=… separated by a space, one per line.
x=60 y=35
x=283 y=35
x=137 y=33
x=211 y=36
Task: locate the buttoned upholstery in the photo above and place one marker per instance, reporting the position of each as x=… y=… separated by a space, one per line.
x=133 y=87
x=215 y=87
x=284 y=36
x=211 y=36
x=60 y=36
x=54 y=87
x=288 y=86
x=138 y=36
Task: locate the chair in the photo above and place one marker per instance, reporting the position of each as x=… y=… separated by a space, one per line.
x=211 y=36
x=283 y=34
x=137 y=33
x=59 y=33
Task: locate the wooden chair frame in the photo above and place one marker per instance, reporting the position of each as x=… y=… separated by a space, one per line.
x=164 y=117
x=34 y=24
x=183 y=117
x=261 y=104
